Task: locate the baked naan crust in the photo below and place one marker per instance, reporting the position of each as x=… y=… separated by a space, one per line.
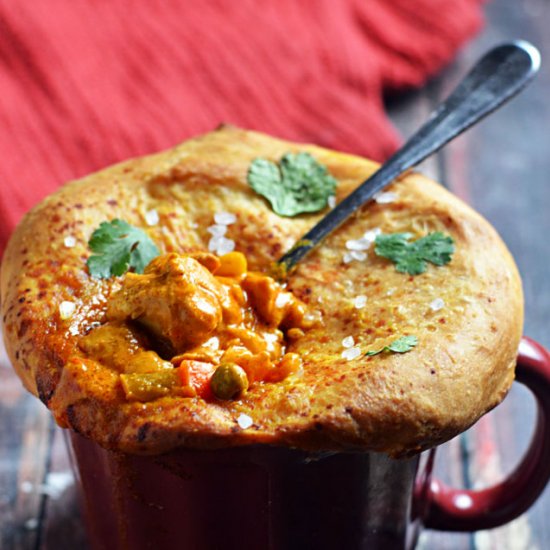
x=462 y=366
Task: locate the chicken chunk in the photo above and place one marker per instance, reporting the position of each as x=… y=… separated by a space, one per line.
x=176 y=298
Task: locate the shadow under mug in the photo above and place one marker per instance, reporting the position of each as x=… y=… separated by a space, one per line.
x=275 y=498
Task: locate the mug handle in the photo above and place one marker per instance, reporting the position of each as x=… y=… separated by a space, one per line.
x=465 y=510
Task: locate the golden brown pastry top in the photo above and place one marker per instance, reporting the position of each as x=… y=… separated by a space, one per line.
x=462 y=366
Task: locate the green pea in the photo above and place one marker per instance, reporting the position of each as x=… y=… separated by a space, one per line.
x=229 y=381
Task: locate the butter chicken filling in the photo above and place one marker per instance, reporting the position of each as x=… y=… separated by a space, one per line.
x=198 y=325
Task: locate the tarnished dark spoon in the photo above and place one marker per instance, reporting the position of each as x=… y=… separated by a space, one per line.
x=496 y=78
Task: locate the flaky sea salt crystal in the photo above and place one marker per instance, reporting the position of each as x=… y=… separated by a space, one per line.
x=221 y=245
x=151 y=217
x=354 y=255
x=244 y=421
x=348 y=342
x=66 y=309
x=385 y=197
x=225 y=246
x=437 y=304
x=225 y=218
x=331 y=201
x=217 y=230
x=69 y=241
x=358 y=255
x=213 y=243
x=359 y=302
x=351 y=353
x=358 y=244
x=371 y=234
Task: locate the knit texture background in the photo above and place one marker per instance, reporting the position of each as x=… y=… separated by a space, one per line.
x=85 y=84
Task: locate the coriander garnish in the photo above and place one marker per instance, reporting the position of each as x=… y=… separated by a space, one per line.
x=401 y=345
x=298 y=183
x=411 y=256
x=118 y=247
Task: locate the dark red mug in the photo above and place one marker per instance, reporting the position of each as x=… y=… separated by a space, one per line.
x=274 y=498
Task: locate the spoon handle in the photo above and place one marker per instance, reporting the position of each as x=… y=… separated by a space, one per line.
x=496 y=78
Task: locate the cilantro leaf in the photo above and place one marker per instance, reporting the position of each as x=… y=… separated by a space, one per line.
x=119 y=246
x=297 y=184
x=401 y=345
x=411 y=256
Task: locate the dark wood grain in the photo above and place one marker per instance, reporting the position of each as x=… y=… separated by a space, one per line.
x=62 y=520
x=38 y=499
x=501 y=168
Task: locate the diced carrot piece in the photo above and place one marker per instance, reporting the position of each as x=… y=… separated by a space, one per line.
x=197 y=374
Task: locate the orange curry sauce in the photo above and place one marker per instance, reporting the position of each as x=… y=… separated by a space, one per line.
x=189 y=318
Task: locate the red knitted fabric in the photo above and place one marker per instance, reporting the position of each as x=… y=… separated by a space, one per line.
x=86 y=84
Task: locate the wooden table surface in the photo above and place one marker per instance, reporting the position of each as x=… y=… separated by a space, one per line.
x=502 y=168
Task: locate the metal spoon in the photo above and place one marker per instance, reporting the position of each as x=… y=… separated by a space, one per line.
x=496 y=78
